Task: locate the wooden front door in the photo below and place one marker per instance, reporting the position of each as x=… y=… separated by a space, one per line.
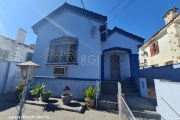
x=114 y=67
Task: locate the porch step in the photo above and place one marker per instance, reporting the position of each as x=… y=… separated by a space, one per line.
x=107 y=102
x=146 y=115
x=109 y=91
x=127 y=83
x=135 y=94
x=129 y=90
x=139 y=103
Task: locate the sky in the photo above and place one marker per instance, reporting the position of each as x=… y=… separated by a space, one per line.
x=142 y=17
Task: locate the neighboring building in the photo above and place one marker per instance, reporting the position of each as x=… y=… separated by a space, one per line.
x=15 y=50
x=75 y=53
x=163 y=48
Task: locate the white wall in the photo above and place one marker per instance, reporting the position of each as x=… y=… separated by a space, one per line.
x=17 y=52
x=118 y=40
x=169 y=47
x=169 y=91
x=3 y=73
x=7 y=72
x=11 y=81
x=125 y=70
x=63 y=25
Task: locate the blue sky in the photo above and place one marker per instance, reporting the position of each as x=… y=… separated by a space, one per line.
x=143 y=17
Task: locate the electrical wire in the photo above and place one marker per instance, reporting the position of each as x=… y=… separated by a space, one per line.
x=132 y=1
x=87 y=14
x=117 y=4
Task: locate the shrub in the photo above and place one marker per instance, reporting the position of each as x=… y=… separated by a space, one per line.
x=38 y=89
x=90 y=92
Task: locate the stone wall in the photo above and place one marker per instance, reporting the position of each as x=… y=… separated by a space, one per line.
x=56 y=86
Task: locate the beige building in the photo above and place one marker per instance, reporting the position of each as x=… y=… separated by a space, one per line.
x=15 y=50
x=163 y=48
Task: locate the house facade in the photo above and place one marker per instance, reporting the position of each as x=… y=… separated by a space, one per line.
x=75 y=47
x=15 y=50
x=163 y=48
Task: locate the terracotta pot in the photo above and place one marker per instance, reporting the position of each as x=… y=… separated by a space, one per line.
x=66 y=98
x=45 y=97
x=89 y=103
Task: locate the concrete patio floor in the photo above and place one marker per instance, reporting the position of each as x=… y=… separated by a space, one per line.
x=8 y=111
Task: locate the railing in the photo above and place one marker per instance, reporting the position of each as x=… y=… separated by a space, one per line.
x=171 y=108
x=124 y=111
x=97 y=87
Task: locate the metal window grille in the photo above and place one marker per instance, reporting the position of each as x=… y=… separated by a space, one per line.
x=63 y=51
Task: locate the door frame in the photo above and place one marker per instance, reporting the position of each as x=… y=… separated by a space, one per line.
x=119 y=68
x=110 y=49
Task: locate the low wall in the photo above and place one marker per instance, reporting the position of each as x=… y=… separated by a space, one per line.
x=168 y=97
x=170 y=72
x=141 y=85
x=7 y=76
x=56 y=86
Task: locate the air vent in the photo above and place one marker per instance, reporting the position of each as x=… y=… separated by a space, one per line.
x=60 y=71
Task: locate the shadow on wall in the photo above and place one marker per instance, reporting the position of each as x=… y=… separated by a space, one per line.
x=170 y=72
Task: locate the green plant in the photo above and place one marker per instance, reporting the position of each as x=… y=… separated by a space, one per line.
x=46 y=92
x=20 y=87
x=38 y=89
x=148 y=86
x=90 y=92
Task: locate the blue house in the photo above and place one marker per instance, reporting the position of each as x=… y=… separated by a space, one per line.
x=75 y=47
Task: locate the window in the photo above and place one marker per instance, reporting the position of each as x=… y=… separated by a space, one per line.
x=154 y=48
x=145 y=60
x=63 y=51
x=4 y=54
x=60 y=71
x=168 y=63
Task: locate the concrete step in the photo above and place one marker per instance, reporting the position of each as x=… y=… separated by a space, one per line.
x=108 y=84
x=129 y=90
x=107 y=102
x=107 y=91
x=134 y=94
x=139 y=118
x=128 y=86
x=139 y=103
x=126 y=83
x=109 y=88
x=145 y=114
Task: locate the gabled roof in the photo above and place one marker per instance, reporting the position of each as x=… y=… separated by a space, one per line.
x=157 y=33
x=125 y=33
x=74 y=9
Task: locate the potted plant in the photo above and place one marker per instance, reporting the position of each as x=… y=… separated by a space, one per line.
x=90 y=93
x=19 y=89
x=39 y=90
x=66 y=98
x=45 y=95
x=148 y=87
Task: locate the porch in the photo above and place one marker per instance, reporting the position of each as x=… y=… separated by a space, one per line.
x=119 y=64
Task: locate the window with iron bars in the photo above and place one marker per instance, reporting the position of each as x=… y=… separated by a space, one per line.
x=63 y=51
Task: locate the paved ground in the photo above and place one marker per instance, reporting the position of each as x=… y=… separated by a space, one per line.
x=8 y=111
x=152 y=92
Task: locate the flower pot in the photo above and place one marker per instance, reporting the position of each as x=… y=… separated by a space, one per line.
x=17 y=95
x=89 y=102
x=66 y=98
x=45 y=97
